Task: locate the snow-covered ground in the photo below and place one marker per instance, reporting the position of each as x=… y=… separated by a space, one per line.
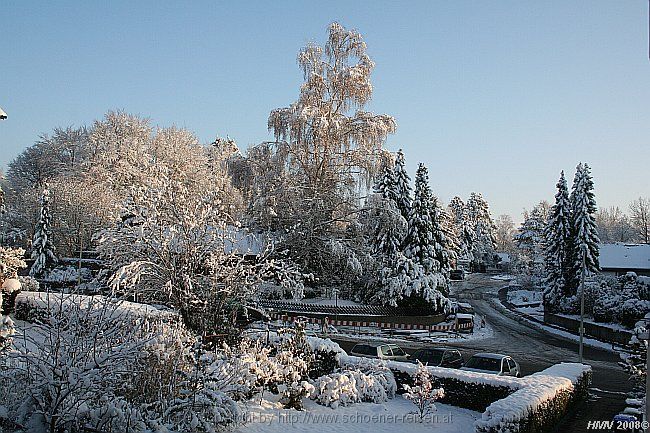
x=390 y=417
x=332 y=302
x=503 y=277
x=561 y=333
x=522 y=298
x=536 y=312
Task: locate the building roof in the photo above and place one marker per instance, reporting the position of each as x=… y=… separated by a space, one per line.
x=240 y=241
x=624 y=256
x=505 y=257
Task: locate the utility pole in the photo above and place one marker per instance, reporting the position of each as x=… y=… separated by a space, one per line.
x=582 y=299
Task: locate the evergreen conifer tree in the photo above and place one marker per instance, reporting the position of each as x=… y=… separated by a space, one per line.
x=403 y=185
x=43 y=251
x=584 y=236
x=556 y=252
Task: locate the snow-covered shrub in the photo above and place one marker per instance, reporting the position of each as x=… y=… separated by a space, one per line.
x=634 y=363
x=203 y=404
x=337 y=389
x=29 y=284
x=11 y=260
x=93 y=362
x=632 y=310
x=6 y=328
x=381 y=385
x=326 y=356
x=293 y=358
x=541 y=403
x=68 y=275
x=422 y=393
x=624 y=300
x=373 y=384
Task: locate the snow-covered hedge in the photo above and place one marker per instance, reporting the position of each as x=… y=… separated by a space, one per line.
x=530 y=404
x=542 y=401
x=465 y=389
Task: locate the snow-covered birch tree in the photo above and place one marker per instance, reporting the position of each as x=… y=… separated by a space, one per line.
x=329 y=146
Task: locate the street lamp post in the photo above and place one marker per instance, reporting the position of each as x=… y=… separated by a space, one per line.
x=645 y=337
x=336 y=304
x=582 y=301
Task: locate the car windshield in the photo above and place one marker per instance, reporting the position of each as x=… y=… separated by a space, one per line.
x=432 y=357
x=480 y=363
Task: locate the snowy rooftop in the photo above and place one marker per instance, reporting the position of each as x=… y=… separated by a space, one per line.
x=505 y=257
x=240 y=241
x=624 y=256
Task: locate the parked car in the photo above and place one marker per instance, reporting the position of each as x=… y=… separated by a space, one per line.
x=493 y=363
x=457 y=274
x=438 y=357
x=389 y=352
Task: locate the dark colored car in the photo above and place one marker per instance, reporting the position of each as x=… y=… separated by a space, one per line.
x=438 y=357
x=457 y=274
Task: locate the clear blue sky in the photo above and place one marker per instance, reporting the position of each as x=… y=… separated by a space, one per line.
x=494 y=96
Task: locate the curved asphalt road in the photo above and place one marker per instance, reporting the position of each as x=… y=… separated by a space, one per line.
x=536 y=350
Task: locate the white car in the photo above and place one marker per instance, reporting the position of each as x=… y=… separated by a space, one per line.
x=493 y=363
x=388 y=352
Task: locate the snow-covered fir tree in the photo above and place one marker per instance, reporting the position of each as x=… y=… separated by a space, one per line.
x=530 y=243
x=388 y=225
x=484 y=245
x=386 y=228
x=419 y=241
x=386 y=185
x=43 y=251
x=584 y=235
x=443 y=241
x=463 y=229
x=403 y=185
x=556 y=251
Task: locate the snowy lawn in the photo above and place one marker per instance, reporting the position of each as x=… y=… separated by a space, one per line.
x=394 y=415
x=522 y=298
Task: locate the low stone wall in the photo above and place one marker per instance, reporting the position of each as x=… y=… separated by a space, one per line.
x=599 y=332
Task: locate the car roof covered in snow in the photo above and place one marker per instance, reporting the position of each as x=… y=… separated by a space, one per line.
x=624 y=256
x=489 y=355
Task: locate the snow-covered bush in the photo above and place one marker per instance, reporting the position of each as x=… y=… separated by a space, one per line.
x=336 y=389
x=422 y=393
x=634 y=363
x=326 y=355
x=97 y=363
x=202 y=404
x=625 y=300
x=294 y=357
x=6 y=328
x=375 y=385
x=29 y=284
x=11 y=260
x=68 y=274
